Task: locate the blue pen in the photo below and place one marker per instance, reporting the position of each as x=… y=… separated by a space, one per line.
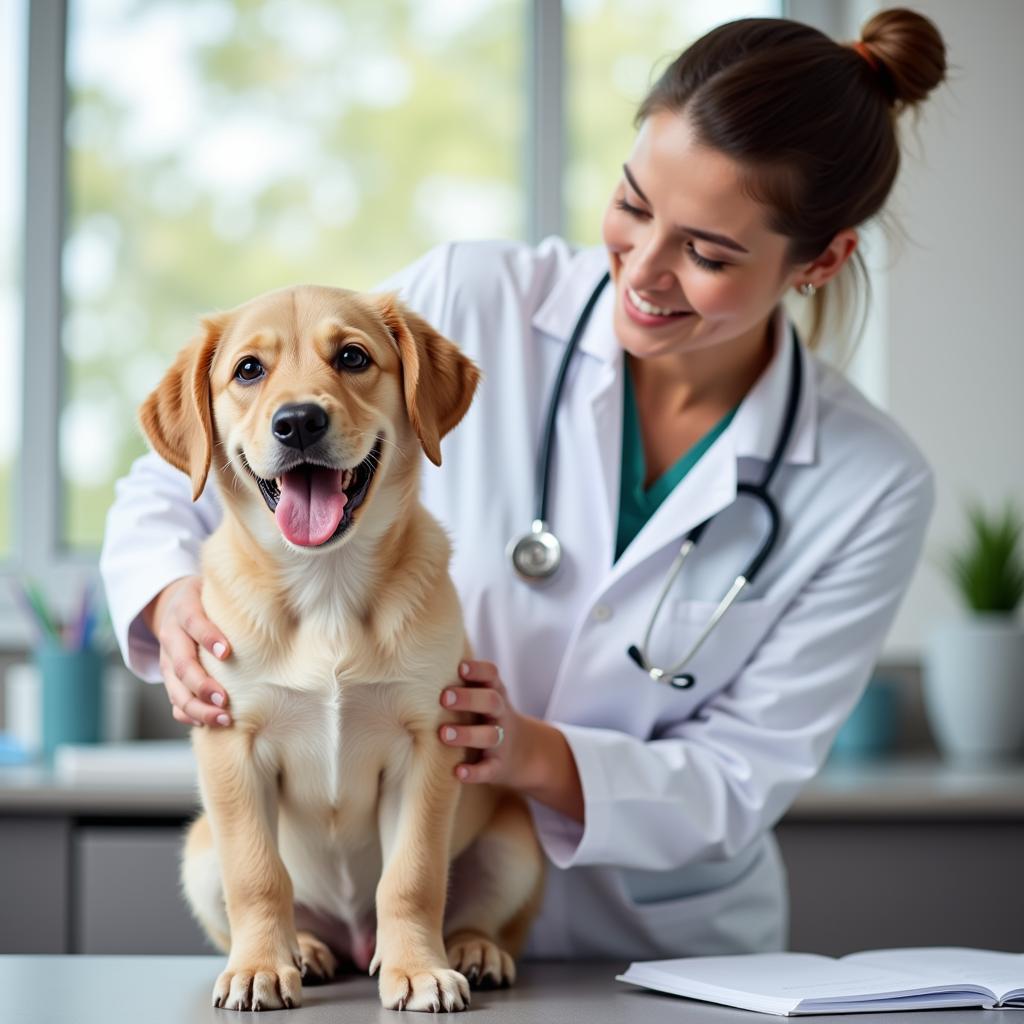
x=88 y=620
x=81 y=637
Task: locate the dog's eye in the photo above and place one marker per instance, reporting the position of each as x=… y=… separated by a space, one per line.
x=249 y=370
x=352 y=357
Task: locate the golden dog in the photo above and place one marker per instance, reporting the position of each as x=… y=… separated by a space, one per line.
x=332 y=812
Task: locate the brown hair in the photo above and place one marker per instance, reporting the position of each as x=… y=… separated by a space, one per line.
x=812 y=120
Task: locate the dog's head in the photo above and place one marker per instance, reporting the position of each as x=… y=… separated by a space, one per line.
x=309 y=396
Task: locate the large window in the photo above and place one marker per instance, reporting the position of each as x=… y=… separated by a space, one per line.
x=184 y=155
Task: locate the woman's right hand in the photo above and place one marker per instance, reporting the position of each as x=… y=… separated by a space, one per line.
x=177 y=619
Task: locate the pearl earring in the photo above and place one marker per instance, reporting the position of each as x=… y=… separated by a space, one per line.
x=807 y=289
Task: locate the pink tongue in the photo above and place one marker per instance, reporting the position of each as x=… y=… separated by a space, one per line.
x=310 y=506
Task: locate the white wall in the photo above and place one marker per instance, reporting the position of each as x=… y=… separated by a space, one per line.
x=955 y=331
x=944 y=352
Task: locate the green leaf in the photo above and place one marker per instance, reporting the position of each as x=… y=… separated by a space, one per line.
x=988 y=569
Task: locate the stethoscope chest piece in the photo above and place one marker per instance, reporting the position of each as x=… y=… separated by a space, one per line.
x=535 y=555
x=680 y=681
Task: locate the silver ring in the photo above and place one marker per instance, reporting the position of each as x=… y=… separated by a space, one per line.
x=501 y=735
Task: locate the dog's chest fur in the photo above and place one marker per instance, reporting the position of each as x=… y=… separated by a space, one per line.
x=335 y=749
x=328 y=730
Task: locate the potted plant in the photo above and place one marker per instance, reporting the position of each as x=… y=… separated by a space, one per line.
x=974 y=668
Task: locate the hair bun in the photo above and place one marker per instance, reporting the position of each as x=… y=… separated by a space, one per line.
x=910 y=51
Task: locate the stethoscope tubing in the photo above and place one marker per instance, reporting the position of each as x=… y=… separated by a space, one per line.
x=547 y=444
x=546 y=548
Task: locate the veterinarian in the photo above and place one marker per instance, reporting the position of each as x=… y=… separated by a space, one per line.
x=655 y=788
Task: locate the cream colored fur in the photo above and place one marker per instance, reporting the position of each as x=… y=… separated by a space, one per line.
x=331 y=807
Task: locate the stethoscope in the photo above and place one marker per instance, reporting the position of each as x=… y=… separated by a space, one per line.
x=537 y=555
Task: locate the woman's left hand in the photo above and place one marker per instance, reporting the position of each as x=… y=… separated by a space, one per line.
x=500 y=738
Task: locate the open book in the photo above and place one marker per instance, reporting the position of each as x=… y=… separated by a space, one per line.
x=790 y=984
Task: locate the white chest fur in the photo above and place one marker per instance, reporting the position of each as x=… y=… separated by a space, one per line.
x=328 y=754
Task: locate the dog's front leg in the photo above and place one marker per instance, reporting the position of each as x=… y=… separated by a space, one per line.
x=240 y=795
x=416 y=816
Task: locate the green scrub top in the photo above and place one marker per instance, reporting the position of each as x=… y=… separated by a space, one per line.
x=637 y=505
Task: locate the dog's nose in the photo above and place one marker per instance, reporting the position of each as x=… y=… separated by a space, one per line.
x=299 y=425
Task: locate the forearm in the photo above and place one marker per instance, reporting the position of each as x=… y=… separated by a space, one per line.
x=550 y=775
x=153 y=536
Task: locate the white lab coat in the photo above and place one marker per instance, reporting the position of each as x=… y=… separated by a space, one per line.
x=681 y=788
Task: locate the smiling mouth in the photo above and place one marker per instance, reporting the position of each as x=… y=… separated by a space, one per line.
x=314 y=503
x=642 y=311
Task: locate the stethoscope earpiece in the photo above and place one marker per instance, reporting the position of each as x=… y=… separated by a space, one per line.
x=682 y=681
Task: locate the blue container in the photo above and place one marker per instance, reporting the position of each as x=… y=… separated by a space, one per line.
x=72 y=692
x=873 y=725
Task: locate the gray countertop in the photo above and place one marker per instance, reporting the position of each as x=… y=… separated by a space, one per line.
x=901 y=788
x=177 y=990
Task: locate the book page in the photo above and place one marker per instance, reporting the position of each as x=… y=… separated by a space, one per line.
x=783 y=978
x=998 y=971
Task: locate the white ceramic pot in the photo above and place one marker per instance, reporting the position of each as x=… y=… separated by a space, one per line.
x=973 y=687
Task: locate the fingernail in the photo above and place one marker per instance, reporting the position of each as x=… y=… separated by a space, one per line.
x=219 y=649
x=464 y=668
x=218 y=699
x=223 y=720
x=462 y=772
x=449 y=697
x=449 y=733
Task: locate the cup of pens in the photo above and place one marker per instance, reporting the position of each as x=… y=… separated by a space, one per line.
x=70 y=670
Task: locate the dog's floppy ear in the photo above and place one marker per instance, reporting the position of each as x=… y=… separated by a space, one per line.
x=439 y=381
x=177 y=417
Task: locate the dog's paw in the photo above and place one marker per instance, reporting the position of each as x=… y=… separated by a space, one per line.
x=435 y=990
x=484 y=963
x=318 y=962
x=262 y=987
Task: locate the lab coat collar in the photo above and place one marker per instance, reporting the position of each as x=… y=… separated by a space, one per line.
x=755 y=427
x=559 y=312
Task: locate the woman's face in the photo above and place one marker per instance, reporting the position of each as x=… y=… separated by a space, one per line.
x=693 y=261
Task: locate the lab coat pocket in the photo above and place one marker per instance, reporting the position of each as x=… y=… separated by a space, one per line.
x=730 y=907
x=726 y=649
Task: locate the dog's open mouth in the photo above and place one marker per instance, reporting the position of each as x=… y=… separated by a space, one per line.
x=314 y=504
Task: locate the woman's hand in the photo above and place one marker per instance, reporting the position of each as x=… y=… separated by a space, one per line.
x=518 y=751
x=500 y=739
x=177 y=620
